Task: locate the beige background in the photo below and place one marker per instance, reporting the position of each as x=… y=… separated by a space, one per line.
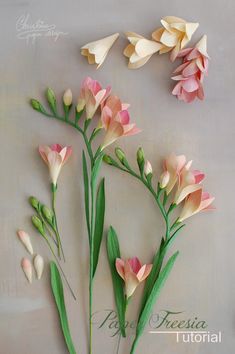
x=202 y=282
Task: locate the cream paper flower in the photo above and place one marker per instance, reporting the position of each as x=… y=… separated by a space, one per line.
x=140 y=50
x=174 y=34
x=97 y=51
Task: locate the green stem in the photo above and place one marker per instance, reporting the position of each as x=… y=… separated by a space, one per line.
x=60 y=248
x=58 y=263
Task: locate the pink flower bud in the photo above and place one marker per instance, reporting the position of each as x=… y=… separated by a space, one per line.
x=27 y=269
x=164 y=179
x=147 y=168
x=25 y=239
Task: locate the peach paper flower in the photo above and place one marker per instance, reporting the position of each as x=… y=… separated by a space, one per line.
x=115 y=120
x=174 y=35
x=140 y=50
x=196 y=202
x=97 y=51
x=189 y=182
x=173 y=165
x=91 y=96
x=133 y=273
x=55 y=156
x=191 y=73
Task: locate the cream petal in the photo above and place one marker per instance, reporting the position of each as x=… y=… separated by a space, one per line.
x=38 y=265
x=129 y=50
x=146 y=47
x=173 y=19
x=190 y=28
x=191 y=205
x=202 y=46
x=169 y=39
x=156 y=35
x=182 y=194
x=138 y=63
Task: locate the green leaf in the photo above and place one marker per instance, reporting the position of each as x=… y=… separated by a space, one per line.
x=86 y=192
x=157 y=263
x=99 y=223
x=57 y=289
x=146 y=312
x=95 y=171
x=50 y=96
x=114 y=253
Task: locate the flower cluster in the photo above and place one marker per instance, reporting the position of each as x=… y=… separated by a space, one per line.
x=115 y=118
x=191 y=72
x=178 y=172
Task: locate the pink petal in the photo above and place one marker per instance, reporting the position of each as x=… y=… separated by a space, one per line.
x=56 y=147
x=190 y=85
x=144 y=272
x=190 y=69
x=124 y=117
x=198 y=175
x=120 y=267
x=135 y=264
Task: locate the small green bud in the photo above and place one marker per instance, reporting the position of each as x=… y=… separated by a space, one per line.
x=140 y=159
x=120 y=155
x=50 y=95
x=37 y=223
x=48 y=214
x=37 y=106
x=34 y=202
x=107 y=159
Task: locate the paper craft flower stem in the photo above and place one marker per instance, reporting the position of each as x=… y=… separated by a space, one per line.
x=115 y=122
x=177 y=174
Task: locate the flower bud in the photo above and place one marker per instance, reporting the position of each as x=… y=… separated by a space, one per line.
x=38 y=265
x=50 y=95
x=67 y=98
x=164 y=179
x=140 y=159
x=37 y=223
x=120 y=155
x=148 y=168
x=37 y=106
x=34 y=202
x=107 y=159
x=48 y=214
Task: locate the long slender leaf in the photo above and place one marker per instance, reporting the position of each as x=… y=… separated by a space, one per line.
x=113 y=251
x=153 y=275
x=57 y=289
x=95 y=171
x=86 y=192
x=99 y=223
x=154 y=294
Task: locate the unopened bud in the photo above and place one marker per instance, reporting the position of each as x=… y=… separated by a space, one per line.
x=164 y=179
x=68 y=97
x=120 y=155
x=34 y=202
x=37 y=223
x=148 y=168
x=48 y=214
x=107 y=159
x=37 y=106
x=140 y=159
x=50 y=95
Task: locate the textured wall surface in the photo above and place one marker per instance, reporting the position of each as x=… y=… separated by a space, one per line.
x=202 y=282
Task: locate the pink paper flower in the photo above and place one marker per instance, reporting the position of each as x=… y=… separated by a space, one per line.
x=191 y=73
x=55 y=156
x=189 y=182
x=132 y=272
x=91 y=96
x=196 y=202
x=173 y=165
x=115 y=120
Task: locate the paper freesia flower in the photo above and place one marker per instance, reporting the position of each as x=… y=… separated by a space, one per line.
x=172 y=165
x=97 y=51
x=191 y=73
x=174 y=35
x=55 y=156
x=133 y=273
x=189 y=182
x=91 y=96
x=140 y=50
x=115 y=119
x=25 y=239
x=196 y=202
